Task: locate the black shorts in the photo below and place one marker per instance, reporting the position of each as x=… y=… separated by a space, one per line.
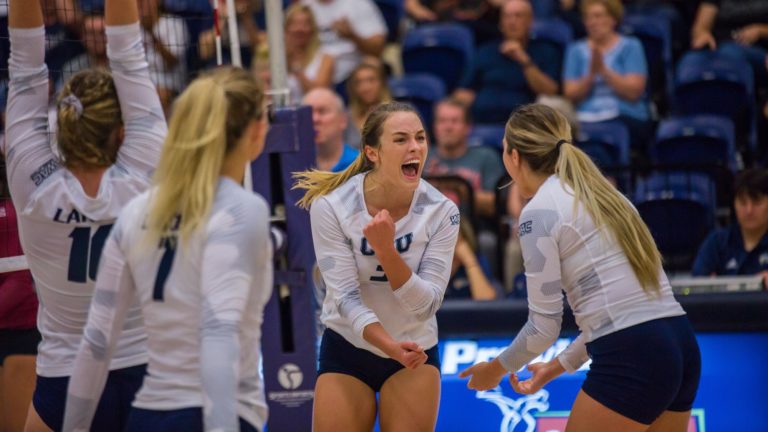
x=185 y=419
x=646 y=369
x=18 y=342
x=120 y=389
x=337 y=355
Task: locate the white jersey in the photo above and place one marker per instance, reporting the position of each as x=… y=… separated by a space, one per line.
x=203 y=304
x=358 y=292
x=564 y=251
x=62 y=229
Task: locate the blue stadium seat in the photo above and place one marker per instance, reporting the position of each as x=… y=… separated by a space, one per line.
x=444 y=50
x=545 y=8
x=393 y=12
x=708 y=82
x=606 y=142
x=655 y=34
x=679 y=209
x=422 y=90
x=555 y=31
x=487 y=135
x=701 y=139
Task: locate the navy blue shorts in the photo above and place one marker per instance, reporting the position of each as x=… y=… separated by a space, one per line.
x=185 y=419
x=18 y=342
x=122 y=384
x=337 y=355
x=646 y=369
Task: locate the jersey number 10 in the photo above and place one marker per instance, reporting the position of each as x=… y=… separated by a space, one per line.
x=85 y=253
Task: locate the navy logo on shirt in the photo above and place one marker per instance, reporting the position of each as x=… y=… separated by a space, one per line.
x=455 y=219
x=402 y=244
x=526 y=228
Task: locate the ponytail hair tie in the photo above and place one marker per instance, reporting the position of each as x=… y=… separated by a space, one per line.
x=560 y=143
x=72 y=101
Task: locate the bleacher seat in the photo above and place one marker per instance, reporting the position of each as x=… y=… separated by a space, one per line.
x=554 y=31
x=393 y=12
x=679 y=208
x=708 y=82
x=656 y=36
x=444 y=50
x=422 y=90
x=701 y=139
x=487 y=135
x=606 y=142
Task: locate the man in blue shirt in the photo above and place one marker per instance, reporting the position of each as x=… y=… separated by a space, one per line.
x=741 y=248
x=329 y=119
x=512 y=72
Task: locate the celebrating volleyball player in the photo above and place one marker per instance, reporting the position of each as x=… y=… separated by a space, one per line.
x=110 y=129
x=384 y=242
x=580 y=235
x=196 y=251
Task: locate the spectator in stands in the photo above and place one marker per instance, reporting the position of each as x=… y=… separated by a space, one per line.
x=366 y=88
x=737 y=27
x=166 y=39
x=329 y=119
x=470 y=271
x=512 y=72
x=349 y=30
x=605 y=74
x=311 y=66
x=742 y=247
x=482 y=16
x=95 y=42
x=479 y=165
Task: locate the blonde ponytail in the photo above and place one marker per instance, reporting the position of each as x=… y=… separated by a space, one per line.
x=208 y=119
x=536 y=131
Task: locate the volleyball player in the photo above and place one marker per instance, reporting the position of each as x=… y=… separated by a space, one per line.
x=580 y=235
x=196 y=251
x=384 y=241
x=110 y=129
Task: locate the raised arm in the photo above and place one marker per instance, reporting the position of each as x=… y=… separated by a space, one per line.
x=113 y=295
x=237 y=252
x=143 y=118
x=28 y=153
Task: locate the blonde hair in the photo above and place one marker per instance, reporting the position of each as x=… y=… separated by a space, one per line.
x=356 y=106
x=314 y=43
x=614 y=8
x=535 y=131
x=88 y=114
x=209 y=118
x=318 y=183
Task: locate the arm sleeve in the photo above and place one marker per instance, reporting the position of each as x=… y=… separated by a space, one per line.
x=575 y=355
x=707 y=258
x=113 y=295
x=423 y=293
x=237 y=247
x=336 y=262
x=143 y=117
x=29 y=157
x=541 y=257
x=635 y=58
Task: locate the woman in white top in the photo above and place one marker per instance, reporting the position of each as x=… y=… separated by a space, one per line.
x=384 y=241
x=311 y=66
x=110 y=127
x=195 y=251
x=580 y=235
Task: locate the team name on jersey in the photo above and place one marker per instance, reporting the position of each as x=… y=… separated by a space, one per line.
x=402 y=243
x=525 y=228
x=73 y=215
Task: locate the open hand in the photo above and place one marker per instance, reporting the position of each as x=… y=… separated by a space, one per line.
x=484 y=375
